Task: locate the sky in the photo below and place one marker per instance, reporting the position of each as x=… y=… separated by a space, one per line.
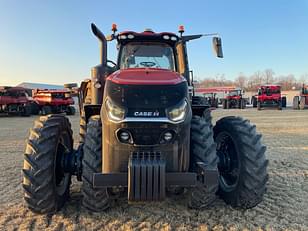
x=51 y=41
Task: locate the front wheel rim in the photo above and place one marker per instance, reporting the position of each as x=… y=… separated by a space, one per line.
x=61 y=178
x=229 y=165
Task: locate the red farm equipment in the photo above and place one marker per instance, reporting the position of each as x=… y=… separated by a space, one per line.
x=51 y=101
x=15 y=101
x=269 y=96
x=143 y=135
x=301 y=101
x=234 y=99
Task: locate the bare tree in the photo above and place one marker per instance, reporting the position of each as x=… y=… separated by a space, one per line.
x=257 y=78
x=268 y=76
x=241 y=81
x=303 y=79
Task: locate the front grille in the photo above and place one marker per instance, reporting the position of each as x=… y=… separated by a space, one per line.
x=146 y=136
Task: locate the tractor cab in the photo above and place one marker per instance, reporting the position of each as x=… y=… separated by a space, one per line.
x=304 y=91
x=153 y=52
x=235 y=93
x=270 y=90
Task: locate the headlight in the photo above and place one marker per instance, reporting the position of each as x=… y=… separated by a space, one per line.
x=178 y=113
x=114 y=112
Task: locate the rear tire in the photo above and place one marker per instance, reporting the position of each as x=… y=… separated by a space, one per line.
x=96 y=200
x=284 y=101
x=243 y=103
x=242 y=165
x=82 y=121
x=279 y=106
x=46 y=185
x=254 y=101
x=35 y=108
x=296 y=102
x=203 y=149
x=82 y=128
x=46 y=110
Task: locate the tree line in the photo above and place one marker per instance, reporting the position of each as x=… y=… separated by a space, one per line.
x=252 y=82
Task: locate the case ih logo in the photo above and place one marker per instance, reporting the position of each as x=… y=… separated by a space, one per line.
x=146 y=114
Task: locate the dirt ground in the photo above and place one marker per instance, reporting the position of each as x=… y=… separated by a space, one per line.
x=285 y=205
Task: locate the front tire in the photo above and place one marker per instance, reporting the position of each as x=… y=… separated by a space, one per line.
x=46 y=185
x=259 y=105
x=242 y=163
x=26 y=110
x=224 y=104
x=70 y=110
x=96 y=200
x=296 y=102
x=203 y=149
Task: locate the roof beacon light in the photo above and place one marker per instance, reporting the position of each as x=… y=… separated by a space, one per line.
x=114 y=28
x=181 y=29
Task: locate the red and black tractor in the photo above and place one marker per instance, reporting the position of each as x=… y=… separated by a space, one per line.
x=234 y=99
x=212 y=99
x=301 y=101
x=52 y=101
x=143 y=134
x=15 y=101
x=269 y=96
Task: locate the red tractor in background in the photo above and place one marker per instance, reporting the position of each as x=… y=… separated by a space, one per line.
x=234 y=99
x=15 y=101
x=211 y=98
x=301 y=101
x=49 y=101
x=269 y=96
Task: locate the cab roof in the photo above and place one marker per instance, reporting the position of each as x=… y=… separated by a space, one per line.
x=147 y=35
x=270 y=86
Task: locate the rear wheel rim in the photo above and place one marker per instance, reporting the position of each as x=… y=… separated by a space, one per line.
x=229 y=165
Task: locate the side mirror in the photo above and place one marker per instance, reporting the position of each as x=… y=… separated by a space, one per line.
x=191 y=77
x=217 y=47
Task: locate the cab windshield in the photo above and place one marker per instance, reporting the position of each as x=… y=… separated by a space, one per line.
x=234 y=93
x=269 y=91
x=147 y=55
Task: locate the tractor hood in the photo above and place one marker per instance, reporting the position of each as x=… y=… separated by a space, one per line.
x=146 y=76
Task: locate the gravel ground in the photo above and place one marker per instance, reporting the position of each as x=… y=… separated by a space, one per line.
x=285 y=205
